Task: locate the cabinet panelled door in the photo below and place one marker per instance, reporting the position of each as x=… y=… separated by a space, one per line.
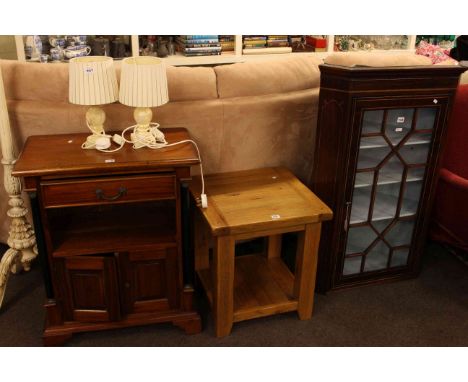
x=389 y=173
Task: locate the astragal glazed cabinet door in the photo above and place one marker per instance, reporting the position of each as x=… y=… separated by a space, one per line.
x=395 y=142
x=380 y=136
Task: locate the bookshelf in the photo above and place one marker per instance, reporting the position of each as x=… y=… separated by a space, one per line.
x=233 y=56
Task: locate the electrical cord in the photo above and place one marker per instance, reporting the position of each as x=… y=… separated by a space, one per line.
x=138 y=142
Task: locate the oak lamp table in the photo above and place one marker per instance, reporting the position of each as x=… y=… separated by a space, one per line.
x=246 y=205
x=109 y=230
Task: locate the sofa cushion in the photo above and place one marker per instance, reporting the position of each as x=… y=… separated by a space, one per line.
x=268 y=77
x=191 y=83
x=34 y=81
x=49 y=82
x=270 y=130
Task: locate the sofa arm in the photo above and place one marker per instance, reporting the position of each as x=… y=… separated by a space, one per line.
x=453 y=179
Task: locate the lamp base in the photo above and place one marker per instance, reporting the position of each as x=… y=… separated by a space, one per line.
x=95 y=118
x=96 y=141
x=146 y=133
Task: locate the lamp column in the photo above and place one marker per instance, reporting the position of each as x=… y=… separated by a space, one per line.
x=21 y=240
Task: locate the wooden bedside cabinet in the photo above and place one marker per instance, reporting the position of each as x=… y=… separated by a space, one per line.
x=109 y=228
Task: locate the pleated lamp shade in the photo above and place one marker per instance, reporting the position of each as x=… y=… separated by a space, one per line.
x=92 y=81
x=143 y=82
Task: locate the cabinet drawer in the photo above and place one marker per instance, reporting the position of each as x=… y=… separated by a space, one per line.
x=107 y=190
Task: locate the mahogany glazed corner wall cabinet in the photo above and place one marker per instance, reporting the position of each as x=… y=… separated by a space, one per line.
x=379 y=139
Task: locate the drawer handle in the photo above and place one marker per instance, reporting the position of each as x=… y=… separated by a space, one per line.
x=100 y=194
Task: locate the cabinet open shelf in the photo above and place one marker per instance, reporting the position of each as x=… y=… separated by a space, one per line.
x=261 y=287
x=111 y=239
x=112 y=228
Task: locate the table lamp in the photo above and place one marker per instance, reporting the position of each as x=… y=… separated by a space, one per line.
x=143 y=84
x=92 y=81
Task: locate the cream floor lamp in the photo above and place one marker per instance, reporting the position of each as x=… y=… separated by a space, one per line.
x=21 y=240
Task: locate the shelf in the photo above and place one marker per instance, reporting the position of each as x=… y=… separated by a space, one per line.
x=230 y=57
x=261 y=287
x=113 y=239
x=103 y=229
x=361 y=237
x=384 y=205
x=392 y=175
x=369 y=143
x=413 y=152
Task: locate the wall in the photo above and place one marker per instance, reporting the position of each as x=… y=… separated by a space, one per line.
x=8 y=47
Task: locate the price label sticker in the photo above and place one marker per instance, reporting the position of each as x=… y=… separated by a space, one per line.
x=400 y=120
x=399 y=129
x=275 y=217
x=109 y=161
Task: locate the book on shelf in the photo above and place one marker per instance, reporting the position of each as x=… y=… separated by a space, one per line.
x=203 y=49
x=194 y=54
x=202 y=45
x=227 y=45
x=285 y=49
x=250 y=38
x=206 y=45
x=257 y=41
x=226 y=38
x=197 y=41
x=277 y=43
x=277 y=37
x=254 y=46
x=200 y=37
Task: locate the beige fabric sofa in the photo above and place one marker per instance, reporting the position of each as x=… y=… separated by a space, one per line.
x=243 y=116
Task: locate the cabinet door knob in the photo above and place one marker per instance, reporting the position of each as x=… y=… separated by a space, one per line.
x=127 y=285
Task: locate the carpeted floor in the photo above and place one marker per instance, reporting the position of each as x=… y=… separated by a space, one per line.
x=431 y=310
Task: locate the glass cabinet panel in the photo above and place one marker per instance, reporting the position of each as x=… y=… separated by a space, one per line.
x=398 y=124
x=372 y=121
x=393 y=151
